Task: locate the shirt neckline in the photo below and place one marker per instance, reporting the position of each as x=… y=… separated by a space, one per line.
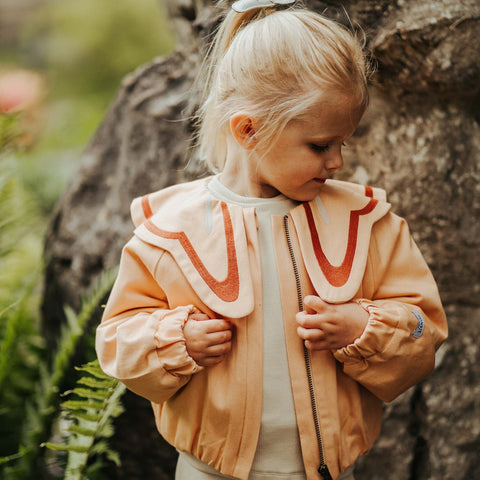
x=222 y=192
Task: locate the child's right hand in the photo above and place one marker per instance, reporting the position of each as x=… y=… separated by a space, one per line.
x=208 y=340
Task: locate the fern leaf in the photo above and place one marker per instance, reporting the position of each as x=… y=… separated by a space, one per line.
x=45 y=398
x=92 y=415
x=79 y=430
x=94 y=371
x=94 y=383
x=12 y=331
x=64 y=448
x=87 y=417
x=91 y=393
x=85 y=405
x=102 y=448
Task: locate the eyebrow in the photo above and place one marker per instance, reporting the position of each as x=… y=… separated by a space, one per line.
x=323 y=140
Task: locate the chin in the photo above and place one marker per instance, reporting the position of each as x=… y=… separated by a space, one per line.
x=309 y=195
x=304 y=197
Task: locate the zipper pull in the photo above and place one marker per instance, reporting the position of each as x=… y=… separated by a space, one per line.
x=324 y=472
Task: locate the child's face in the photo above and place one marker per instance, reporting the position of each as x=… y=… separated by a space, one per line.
x=308 y=151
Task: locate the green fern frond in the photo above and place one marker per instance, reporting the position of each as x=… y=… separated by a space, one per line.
x=40 y=411
x=91 y=416
x=14 y=329
x=9 y=131
x=22 y=351
x=97 y=394
x=64 y=448
x=95 y=373
x=95 y=383
x=82 y=405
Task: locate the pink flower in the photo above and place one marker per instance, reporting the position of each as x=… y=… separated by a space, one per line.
x=20 y=90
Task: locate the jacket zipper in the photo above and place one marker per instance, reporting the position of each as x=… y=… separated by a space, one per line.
x=322 y=469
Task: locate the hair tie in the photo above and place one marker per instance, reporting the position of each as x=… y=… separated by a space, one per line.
x=244 y=5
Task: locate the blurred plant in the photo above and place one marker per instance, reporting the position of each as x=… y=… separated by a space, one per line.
x=9 y=131
x=21 y=345
x=81 y=51
x=20 y=223
x=30 y=379
x=43 y=401
x=88 y=46
x=90 y=422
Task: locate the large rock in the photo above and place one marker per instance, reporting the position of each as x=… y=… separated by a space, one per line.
x=420 y=140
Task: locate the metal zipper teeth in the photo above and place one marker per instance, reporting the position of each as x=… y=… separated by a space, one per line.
x=322 y=469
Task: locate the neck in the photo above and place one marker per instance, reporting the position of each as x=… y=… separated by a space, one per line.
x=240 y=173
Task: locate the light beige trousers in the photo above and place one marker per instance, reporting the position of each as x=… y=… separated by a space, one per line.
x=189 y=468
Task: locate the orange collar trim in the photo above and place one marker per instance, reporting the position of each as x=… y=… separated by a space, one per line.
x=338 y=276
x=228 y=289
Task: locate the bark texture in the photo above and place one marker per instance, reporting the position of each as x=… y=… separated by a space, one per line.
x=420 y=140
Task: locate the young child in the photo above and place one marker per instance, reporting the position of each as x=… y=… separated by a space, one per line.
x=268 y=311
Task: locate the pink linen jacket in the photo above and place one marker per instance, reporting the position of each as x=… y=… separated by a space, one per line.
x=194 y=253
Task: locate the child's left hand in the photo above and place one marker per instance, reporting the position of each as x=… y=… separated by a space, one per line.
x=326 y=326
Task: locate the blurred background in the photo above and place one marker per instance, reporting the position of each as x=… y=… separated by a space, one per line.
x=61 y=69
x=61 y=62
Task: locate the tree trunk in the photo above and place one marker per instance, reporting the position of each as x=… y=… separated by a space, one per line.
x=419 y=140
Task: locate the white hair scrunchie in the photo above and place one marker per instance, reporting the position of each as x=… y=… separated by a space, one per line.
x=244 y=5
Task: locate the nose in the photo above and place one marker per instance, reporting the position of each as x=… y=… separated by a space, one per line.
x=334 y=160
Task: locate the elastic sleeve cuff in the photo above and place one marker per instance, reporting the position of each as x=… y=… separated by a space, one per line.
x=376 y=337
x=170 y=341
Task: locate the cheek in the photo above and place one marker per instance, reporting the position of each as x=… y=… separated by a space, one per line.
x=311 y=163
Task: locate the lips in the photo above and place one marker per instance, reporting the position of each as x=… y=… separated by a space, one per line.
x=320 y=180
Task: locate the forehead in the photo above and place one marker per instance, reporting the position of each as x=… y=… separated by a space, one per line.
x=334 y=116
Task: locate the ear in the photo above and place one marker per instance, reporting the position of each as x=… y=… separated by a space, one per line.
x=242 y=127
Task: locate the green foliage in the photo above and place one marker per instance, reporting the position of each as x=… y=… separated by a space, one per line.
x=40 y=411
x=21 y=345
x=83 y=49
x=89 y=46
x=21 y=352
x=9 y=131
x=90 y=422
x=21 y=227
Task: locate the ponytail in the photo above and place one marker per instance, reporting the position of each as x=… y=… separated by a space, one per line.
x=232 y=23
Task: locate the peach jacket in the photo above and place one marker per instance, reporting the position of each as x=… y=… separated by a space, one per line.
x=192 y=252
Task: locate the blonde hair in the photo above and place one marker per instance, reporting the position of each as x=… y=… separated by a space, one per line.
x=274 y=65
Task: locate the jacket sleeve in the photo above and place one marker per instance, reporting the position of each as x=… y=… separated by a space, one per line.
x=140 y=340
x=406 y=320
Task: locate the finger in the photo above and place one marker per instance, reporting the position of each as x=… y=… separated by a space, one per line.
x=217 y=338
x=219 y=349
x=211 y=361
x=311 y=334
x=198 y=316
x=217 y=325
x=314 y=304
x=307 y=320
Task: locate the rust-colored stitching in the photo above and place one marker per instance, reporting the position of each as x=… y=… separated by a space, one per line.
x=147 y=210
x=228 y=289
x=338 y=276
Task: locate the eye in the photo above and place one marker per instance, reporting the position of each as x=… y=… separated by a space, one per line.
x=319 y=148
